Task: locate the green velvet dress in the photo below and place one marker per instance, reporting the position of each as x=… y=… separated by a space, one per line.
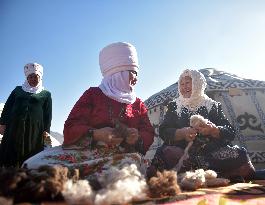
x=26 y=116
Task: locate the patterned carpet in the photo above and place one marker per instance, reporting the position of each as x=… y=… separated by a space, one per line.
x=252 y=193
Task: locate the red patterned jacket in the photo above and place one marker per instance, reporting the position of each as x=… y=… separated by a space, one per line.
x=95 y=110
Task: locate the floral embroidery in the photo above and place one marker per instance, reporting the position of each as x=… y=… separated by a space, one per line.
x=86 y=169
x=92 y=162
x=226 y=153
x=68 y=157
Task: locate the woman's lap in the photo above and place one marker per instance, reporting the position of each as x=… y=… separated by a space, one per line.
x=223 y=160
x=87 y=162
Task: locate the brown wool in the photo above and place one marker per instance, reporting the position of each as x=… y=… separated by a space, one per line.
x=43 y=184
x=164 y=184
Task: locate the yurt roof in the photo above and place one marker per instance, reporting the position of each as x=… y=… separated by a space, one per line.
x=216 y=81
x=1 y=106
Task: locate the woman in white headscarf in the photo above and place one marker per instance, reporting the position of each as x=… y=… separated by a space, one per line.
x=26 y=118
x=210 y=142
x=108 y=126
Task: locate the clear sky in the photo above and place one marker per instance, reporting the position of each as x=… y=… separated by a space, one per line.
x=65 y=36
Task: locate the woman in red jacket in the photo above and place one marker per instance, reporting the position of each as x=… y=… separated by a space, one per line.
x=108 y=125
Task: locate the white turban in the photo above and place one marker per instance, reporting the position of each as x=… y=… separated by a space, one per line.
x=116 y=56
x=33 y=68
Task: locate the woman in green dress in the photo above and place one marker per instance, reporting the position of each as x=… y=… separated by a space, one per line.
x=26 y=119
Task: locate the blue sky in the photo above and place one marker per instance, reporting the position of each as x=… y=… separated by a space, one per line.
x=65 y=36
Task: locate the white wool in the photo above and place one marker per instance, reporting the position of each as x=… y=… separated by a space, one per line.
x=198 y=177
x=122 y=191
x=78 y=193
x=197 y=121
x=114 y=174
x=210 y=174
x=121 y=186
x=192 y=180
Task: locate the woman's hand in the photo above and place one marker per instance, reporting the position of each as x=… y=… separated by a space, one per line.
x=106 y=135
x=47 y=138
x=187 y=133
x=2 y=129
x=209 y=129
x=133 y=136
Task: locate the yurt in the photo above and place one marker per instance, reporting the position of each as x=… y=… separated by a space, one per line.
x=243 y=102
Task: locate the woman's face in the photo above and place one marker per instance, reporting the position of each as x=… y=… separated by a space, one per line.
x=33 y=79
x=185 y=86
x=132 y=78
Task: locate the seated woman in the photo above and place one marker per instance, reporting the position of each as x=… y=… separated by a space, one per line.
x=211 y=146
x=108 y=125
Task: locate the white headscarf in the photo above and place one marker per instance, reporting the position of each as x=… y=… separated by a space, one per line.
x=115 y=61
x=116 y=87
x=29 y=69
x=198 y=98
